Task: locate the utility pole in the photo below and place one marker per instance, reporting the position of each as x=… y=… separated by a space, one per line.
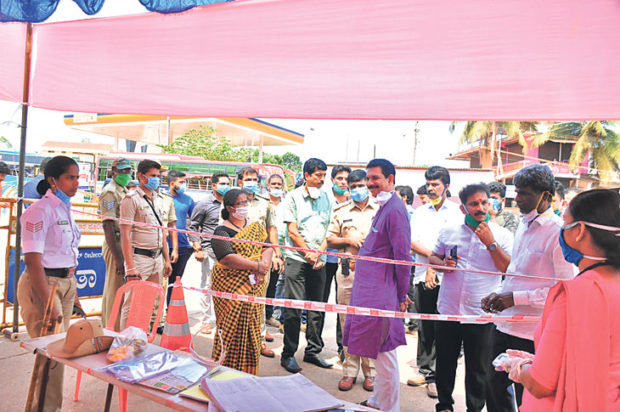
x=415 y=140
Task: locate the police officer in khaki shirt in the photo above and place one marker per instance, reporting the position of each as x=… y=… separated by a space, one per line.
x=347 y=230
x=262 y=210
x=109 y=206
x=144 y=247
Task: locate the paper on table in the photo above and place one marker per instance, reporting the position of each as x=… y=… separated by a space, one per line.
x=295 y=393
x=196 y=392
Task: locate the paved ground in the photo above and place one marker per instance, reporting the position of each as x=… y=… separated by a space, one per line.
x=16 y=365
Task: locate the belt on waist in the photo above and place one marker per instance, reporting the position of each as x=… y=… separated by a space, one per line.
x=147 y=252
x=59 y=272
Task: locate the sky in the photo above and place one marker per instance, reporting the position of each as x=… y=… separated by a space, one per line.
x=331 y=140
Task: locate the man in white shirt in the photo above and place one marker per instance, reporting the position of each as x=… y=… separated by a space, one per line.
x=426 y=223
x=477 y=243
x=536 y=252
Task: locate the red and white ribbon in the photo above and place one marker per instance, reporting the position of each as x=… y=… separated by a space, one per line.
x=322 y=252
x=358 y=310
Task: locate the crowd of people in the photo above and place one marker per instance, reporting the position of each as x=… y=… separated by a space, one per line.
x=569 y=361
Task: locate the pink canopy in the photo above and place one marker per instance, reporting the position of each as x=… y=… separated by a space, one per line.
x=402 y=59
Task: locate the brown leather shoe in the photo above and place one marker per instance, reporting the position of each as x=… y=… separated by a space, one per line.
x=268 y=337
x=346 y=383
x=265 y=351
x=369 y=383
x=416 y=380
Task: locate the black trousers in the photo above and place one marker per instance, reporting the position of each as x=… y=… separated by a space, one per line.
x=178 y=268
x=330 y=274
x=426 y=302
x=301 y=280
x=271 y=292
x=412 y=323
x=478 y=343
x=499 y=399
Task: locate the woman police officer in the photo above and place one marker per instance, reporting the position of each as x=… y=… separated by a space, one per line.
x=50 y=239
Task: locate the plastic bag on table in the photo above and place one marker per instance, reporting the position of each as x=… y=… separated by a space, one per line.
x=130 y=343
x=145 y=367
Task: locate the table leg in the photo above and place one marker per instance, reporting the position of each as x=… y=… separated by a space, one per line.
x=108 y=397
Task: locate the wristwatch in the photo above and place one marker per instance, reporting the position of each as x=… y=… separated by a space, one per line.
x=492 y=247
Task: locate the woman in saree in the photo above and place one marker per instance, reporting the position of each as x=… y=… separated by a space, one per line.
x=577 y=362
x=241 y=268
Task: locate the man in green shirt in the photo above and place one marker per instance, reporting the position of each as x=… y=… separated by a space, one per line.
x=307 y=212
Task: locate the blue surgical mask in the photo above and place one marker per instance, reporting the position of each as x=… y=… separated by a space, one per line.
x=251 y=187
x=222 y=189
x=181 y=189
x=275 y=192
x=66 y=199
x=495 y=204
x=152 y=183
x=359 y=194
x=572 y=255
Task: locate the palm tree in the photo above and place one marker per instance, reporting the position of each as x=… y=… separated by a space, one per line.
x=595 y=137
x=486 y=133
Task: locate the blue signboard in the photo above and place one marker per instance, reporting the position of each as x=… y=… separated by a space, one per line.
x=90 y=273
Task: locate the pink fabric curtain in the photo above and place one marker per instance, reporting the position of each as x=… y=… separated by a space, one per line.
x=12 y=51
x=402 y=59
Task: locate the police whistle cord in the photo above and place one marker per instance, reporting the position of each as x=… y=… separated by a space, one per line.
x=358 y=310
x=321 y=252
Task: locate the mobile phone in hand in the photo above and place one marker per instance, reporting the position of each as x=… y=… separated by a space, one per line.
x=453 y=253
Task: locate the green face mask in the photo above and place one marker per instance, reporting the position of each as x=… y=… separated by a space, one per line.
x=122 y=179
x=338 y=190
x=469 y=219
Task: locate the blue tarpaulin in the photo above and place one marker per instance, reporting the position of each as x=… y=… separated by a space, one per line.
x=37 y=11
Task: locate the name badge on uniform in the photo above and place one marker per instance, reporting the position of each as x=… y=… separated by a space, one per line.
x=347 y=220
x=62 y=222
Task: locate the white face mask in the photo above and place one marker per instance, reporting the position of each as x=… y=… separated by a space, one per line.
x=314 y=192
x=241 y=212
x=383 y=197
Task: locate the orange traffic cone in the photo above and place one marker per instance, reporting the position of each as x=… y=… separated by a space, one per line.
x=176 y=330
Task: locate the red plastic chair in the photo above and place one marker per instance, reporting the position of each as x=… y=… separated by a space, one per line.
x=143 y=297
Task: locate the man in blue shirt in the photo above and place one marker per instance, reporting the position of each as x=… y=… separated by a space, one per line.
x=30 y=188
x=183 y=208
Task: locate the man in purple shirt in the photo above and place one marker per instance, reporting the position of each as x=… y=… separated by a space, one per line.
x=382 y=286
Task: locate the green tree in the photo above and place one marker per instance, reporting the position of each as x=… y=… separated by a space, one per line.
x=204 y=142
x=595 y=137
x=6 y=142
x=486 y=132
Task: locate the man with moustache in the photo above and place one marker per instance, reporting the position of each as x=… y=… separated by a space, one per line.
x=426 y=223
x=381 y=286
x=481 y=245
x=307 y=212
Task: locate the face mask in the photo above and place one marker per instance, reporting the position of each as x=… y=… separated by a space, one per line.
x=529 y=217
x=470 y=220
x=222 y=189
x=437 y=201
x=359 y=194
x=314 y=192
x=337 y=190
x=122 y=179
x=275 y=192
x=241 y=212
x=152 y=183
x=383 y=197
x=574 y=256
x=66 y=199
x=495 y=204
x=181 y=189
x=251 y=187
x=557 y=212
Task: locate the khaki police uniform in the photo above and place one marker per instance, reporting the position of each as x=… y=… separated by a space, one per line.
x=146 y=241
x=348 y=220
x=48 y=228
x=169 y=216
x=261 y=210
x=109 y=205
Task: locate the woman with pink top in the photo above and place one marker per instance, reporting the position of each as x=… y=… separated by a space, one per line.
x=577 y=361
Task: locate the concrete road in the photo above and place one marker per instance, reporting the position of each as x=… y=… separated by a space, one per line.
x=16 y=366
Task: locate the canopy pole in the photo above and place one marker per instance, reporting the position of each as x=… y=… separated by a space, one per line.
x=20 y=179
x=260 y=149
